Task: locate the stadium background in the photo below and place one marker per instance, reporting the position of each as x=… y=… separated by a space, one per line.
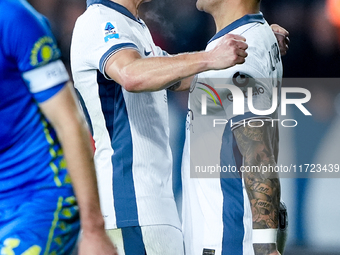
x=314 y=26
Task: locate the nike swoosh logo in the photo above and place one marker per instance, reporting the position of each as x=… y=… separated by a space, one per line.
x=147 y=53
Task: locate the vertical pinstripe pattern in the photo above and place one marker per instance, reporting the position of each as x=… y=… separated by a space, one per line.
x=115 y=113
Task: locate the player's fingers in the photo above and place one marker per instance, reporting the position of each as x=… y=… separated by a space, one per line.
x=280 y=37
x=283 y=36
x=283 y=49
x=240 y=60
x=235 y=37
x=241 y=53
x=278 y=29
x=241 y=45
x=283 y=43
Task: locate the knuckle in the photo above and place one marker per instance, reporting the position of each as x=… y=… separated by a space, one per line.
x=235 y=57
x=230 y=42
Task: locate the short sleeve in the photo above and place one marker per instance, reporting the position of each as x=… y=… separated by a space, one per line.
x=116 y=36
x=221 y=89
x=245 y=78
x=30 y=43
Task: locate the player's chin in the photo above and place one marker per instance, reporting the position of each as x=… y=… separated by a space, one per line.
x=204 y=5
x=199 y=5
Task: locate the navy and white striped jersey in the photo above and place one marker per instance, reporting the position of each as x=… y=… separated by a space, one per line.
x=217 y=217
x=131 y=130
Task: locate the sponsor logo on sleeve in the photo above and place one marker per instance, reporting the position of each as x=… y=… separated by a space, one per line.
x=110 y=31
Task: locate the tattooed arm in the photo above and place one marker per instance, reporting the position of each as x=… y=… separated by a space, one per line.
x=255 y=144
x=182 y=85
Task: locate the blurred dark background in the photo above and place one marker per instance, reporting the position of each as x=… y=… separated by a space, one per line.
x=314 y=26
x=177 y=26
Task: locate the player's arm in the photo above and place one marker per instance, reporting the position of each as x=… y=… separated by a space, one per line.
x=282 y=37
x=63 y=113
x=182 y=85
x=137 y=74
x=263 y=188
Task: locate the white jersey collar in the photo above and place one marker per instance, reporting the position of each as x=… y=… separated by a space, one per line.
x=115 y=6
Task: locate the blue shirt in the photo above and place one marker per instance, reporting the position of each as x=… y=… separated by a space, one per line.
x=31 y=157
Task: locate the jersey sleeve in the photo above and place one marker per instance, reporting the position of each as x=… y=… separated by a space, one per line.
x=249 y=77
x=160 y=52
x=223 y=90
x=116 y=36
x=30 y=43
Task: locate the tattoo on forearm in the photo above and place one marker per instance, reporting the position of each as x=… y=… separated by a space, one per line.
x=175 y=86
x=264 y=248
x=263 y=189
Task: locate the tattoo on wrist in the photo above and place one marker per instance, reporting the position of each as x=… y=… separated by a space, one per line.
x=175 y=86
x=263 y=249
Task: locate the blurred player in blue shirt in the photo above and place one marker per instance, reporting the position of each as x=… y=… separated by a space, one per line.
x=41 y=129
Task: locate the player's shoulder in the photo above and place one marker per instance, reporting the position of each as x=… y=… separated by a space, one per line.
x=96 y=22
x=259 y=38
x=9 y=8
x=20 y=20
x=97 y=14
x=258 y=34
x=18 y=13
x=261 y=42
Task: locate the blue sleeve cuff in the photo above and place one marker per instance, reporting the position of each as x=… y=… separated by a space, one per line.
x=47 y=94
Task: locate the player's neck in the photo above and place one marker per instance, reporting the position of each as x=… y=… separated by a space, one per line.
x=233 y=10
x=131 y=5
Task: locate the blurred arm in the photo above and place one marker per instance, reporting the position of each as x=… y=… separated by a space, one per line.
x=263 y=189
x=63 y=113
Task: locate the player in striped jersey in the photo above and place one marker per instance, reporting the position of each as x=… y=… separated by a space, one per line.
x=235 y=213
x=113 y=56
x=41 y=130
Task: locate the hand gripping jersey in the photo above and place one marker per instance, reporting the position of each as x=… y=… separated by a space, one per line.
x=130 y=130
x=217 y=218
